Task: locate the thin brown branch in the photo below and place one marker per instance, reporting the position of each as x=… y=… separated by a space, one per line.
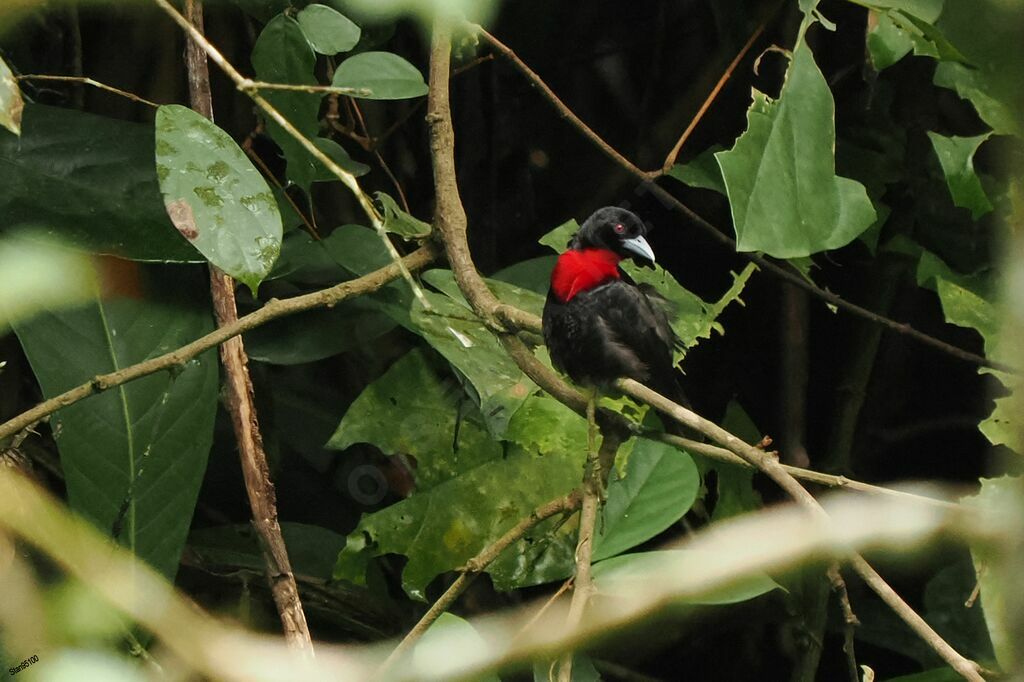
x=592 y=491
x=246 y=86
x=240 y=398
x=273 y=309
x=784 y=272
x=850 y=620
x=380 y=159
x=770 y=466
x=670 y=159
x=475 y=566
x=82 y=80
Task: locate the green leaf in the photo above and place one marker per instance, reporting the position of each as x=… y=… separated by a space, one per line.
x=412 y=410
x=336 y=153
x=283 y=55
x=384 y=74
x=583 y=669
x=215 y=196
x=1004 y=426
x=619 y=576
x=477 y=11
x=659 y=486
x=996 y=576
x=780 y=176
x=102 y=171
x=397 y=221
x=37 y=275
x=956 y=155
x=987 y=33
x=327 y=30
x=311 y=549
x=701 y=171
x=11 y=103
x=133 y=456
x=317 y=334
x=305 y=260
x=441 y=528
x=734 y=483
x=558 y=239
x=533 y=274
x=524 y=299
x=470 y=643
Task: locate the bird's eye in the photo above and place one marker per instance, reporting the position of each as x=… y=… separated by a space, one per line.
x=620 y=228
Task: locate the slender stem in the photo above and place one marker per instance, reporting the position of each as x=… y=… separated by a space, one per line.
x=240 y=398
x=850 y=620
x=592 y=490
x=773 y=469
x=312 y=89
x=88 y=81
x=670 y=159
x=273 y=309
x=784 y=272
x=475 y=566
x=246 y=86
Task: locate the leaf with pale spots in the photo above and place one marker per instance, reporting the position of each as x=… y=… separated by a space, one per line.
x=215 y=197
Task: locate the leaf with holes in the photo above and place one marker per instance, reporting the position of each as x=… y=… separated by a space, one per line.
x=956 y=155
x=785 y=196
x=215 y=197
x=133 y=456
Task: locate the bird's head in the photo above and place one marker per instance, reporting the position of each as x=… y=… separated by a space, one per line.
x=617 y=230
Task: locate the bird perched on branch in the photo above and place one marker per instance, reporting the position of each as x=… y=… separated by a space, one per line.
x=599 y=325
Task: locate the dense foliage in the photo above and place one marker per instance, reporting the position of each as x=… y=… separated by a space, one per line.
x=866 y=147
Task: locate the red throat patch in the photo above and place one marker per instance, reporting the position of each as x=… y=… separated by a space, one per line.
x=580 y=270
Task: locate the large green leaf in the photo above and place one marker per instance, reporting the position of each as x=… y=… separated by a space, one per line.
x=441 y=528
x=317 y=334
x=328 y=30
x=630 y=572
x=660 y=484
x=215 y=197
x=89 y=181
x=133 y=456
x=956 y=155
x=11 y=103
x=987 y=32
x=785 y=197
x=412 y=410
x=283 y=55
x=383 y=74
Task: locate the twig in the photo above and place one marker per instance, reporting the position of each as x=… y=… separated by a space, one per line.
x=784 y=272
x=380 y=159
x=475 y=566
x=726 y=75
x=88 y=81
x=240 y=398
x=246 y=86
x=774 y=470
x=592 y=490
x=273 y=309
x=850 y=620
x=312 y=89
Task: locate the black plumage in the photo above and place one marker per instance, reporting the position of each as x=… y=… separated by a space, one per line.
x=599 y=325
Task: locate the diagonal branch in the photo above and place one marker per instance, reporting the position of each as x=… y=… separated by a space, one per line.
x=450 y=221
x=273 y=309
x=783 y=271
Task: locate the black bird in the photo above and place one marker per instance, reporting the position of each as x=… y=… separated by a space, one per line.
x=598 y=324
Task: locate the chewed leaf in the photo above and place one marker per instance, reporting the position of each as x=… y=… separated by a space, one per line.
x=215 y=197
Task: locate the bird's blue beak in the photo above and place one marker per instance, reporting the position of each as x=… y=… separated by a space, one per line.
x=638 y=246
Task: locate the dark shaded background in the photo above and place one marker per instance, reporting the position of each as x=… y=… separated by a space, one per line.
x=636 y=72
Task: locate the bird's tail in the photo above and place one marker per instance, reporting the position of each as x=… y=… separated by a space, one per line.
x=668 y=385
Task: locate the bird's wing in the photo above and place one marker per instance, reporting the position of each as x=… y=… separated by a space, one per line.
x=637 y=323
